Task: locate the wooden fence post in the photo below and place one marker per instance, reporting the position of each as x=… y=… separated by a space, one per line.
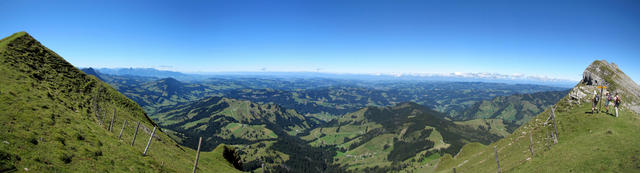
x=553 y=116
x=122 y=130
x=454 y=170
x=195 y=165
x=531 y=143
x=135 y=134
x=495 y=149
x=150 y=139
x=112 y=118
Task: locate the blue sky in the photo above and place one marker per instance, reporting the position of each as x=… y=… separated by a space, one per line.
x=544 y=38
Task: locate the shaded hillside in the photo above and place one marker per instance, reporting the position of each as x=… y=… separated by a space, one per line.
x=55 y=118
x=262 y=133
x=91 y=71
x=392 y=138
x=587 y=142
x=514 y=109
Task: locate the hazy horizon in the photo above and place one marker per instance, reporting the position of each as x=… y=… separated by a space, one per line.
x=452 y=74
x=433 y=77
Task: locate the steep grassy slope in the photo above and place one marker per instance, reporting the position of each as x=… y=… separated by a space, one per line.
x=55 y=118
x=391 y=138
x=586 y=142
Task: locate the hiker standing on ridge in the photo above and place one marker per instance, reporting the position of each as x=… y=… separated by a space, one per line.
x=617 y=103
x=595 y=102
x=609 y=101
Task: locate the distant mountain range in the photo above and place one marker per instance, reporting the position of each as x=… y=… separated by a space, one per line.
x=331 y=96
x=451 y=77
x=149 y=72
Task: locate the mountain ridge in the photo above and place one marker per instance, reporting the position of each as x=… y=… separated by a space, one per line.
x=56 y=118
x=603 y=73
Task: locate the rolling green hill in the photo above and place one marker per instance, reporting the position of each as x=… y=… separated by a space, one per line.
x=262 y=133
x=396 y=137
x=55 y=118
x=587 y=142
x=226 y=119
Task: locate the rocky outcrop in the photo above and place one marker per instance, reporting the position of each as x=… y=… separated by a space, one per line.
x=602 y=73
x=577 y=95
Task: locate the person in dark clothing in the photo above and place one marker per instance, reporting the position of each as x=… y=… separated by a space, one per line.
x=617 y=101
x=609 y=101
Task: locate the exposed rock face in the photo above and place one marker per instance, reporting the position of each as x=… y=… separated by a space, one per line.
x=589 y=78
x=578 y=94
x=603 y=73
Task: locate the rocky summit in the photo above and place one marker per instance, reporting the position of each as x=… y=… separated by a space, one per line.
x=602 y=73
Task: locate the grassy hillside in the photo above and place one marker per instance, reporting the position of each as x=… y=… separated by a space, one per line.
x=213 y=114
x=55 y=118
x=587 y=142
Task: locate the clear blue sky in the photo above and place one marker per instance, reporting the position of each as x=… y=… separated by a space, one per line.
x=547 y=38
